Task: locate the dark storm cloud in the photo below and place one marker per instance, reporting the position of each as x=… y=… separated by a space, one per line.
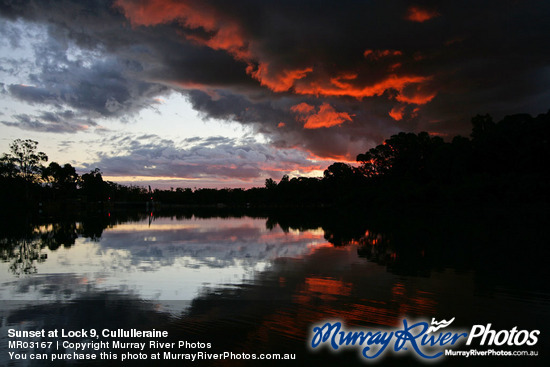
x=51 y=122
x=98 y=86
x=360 y=71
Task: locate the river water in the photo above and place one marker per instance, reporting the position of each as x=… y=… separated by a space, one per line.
x=254 y=285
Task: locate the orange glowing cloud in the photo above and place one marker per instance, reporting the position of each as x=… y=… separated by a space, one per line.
x=329 y=159
x=396 y=113
x=394 y=67
x=417 y=98
x=155 y=12
x=339 y=89
x=302 y=108
x=420 y=15
x=325 y=117
x=227 y=39
x=225 y=34
x=340 y=84
x=279 y=82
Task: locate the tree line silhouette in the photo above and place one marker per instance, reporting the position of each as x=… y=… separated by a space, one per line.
x=500 y=160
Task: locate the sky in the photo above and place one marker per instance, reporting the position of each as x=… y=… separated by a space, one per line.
x=215 y=93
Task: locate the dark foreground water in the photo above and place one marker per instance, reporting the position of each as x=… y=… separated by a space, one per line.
x=257 y=284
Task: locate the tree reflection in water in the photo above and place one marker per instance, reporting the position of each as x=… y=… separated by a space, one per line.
x=23 y=247
x=413 y=242
x=24 y=238
x=23 y=255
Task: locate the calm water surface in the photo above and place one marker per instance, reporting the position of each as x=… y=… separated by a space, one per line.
x=245 y=285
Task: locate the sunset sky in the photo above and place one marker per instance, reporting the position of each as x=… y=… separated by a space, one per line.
x=220 y=93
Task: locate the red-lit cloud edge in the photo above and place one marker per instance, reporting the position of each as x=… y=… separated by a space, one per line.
x=225 y=33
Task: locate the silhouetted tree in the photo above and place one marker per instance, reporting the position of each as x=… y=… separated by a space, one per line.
x=270 y=184
x=24 y=158
x=405 y=155
x=63 y=179
x=339 y=171
x=284 y=179
x=7 y=168
x=93 y=186
x=482 y=125
x=23 y=162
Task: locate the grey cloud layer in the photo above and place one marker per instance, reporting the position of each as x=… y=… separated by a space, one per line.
x=52 y=122
x=213 y=157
